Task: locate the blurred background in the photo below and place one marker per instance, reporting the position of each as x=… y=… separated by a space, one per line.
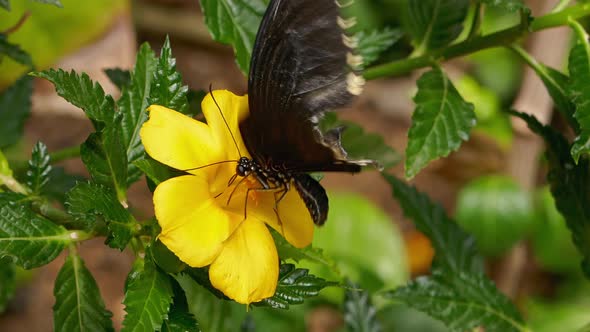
x=494 y=185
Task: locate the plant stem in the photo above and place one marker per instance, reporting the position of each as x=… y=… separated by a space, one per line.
x=67 y=153
x=13 y=185
x=500 y=38
x=561 y=5
x=56 y=215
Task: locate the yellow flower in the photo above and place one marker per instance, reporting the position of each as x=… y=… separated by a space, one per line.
x=200 y=224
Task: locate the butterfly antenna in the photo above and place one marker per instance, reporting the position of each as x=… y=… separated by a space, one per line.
x=216 y=163
x=225 y=121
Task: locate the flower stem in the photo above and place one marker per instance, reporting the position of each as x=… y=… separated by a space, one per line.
x=67 y=153
x=500 y=38
x=56 y=215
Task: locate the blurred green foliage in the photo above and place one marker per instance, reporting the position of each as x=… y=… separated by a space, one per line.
x=50 y=32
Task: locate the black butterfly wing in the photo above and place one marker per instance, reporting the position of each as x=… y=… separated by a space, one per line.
x=299 y=69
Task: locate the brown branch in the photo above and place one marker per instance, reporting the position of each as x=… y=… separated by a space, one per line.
x=18 y=24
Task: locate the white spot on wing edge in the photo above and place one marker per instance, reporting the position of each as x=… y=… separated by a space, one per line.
x=346 y=23
x=350 y=41
x=354 y=84
x=345 y=4
x=355 y=61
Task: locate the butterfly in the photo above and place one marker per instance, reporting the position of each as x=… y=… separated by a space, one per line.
x=303 y=64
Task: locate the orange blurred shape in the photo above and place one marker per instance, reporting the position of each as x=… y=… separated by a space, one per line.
x=419 y=252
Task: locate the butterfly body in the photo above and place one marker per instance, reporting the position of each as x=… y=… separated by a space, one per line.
x=302 y=66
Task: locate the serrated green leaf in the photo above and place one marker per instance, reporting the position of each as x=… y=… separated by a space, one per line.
x=569 y=182
x=132 y=106
x=579 y=90
x=147 y=298
x=7 y=282
x=556 y=83
x=78 y=304
x=435 y=23
x=509 y=5
x=88 y=199
x=309 y=253
x=359 y=313
x=104 y=157
x=56 y=3
x=462 y=302
x=14 y=51
x=167 y=87
x=455 y=249
x=179 y=318
x=235 y=22
x=119 y=77
x=359 y=144
x=154 y=170
x=31 y=239
x=441 y=121
x=15 y=107
x=5 y=4
x=295 y=285
x=81 y=91
x=39 y=168
x=372 y=44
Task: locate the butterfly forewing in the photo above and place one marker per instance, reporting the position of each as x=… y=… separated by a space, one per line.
x=298 y=71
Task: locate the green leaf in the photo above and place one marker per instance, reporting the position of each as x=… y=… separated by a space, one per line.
x=496 y=211
x=104 y=157
x=154 y=170
x=15 y=107
x=14 y=51
x=569 y=182
x=167 y=88
x=132 y=106
x=56 y=3
x=359 y=313
x=119 y=77
x=88 y=199
x=39 y=168
x=435 y=23
x=461 y=301
x=557 y=83
x=441 y=121
x=179 y=318
x=81 y=91
x=509 y=5
x=295 y=285
x=579 y=89
x=147 y=298
x=362 y=145
x=372 y=44
x=288 y=251
x=5 y=4
x=31 y=239
x=235 y=22
x=455 y=249
x=201 y=276
x=78 y=304
x=7 y=282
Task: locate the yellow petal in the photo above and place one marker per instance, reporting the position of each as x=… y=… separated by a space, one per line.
x=193 y=225
x=178 y=140
x=234 y=109
x=295 y=224
x=247 y=269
